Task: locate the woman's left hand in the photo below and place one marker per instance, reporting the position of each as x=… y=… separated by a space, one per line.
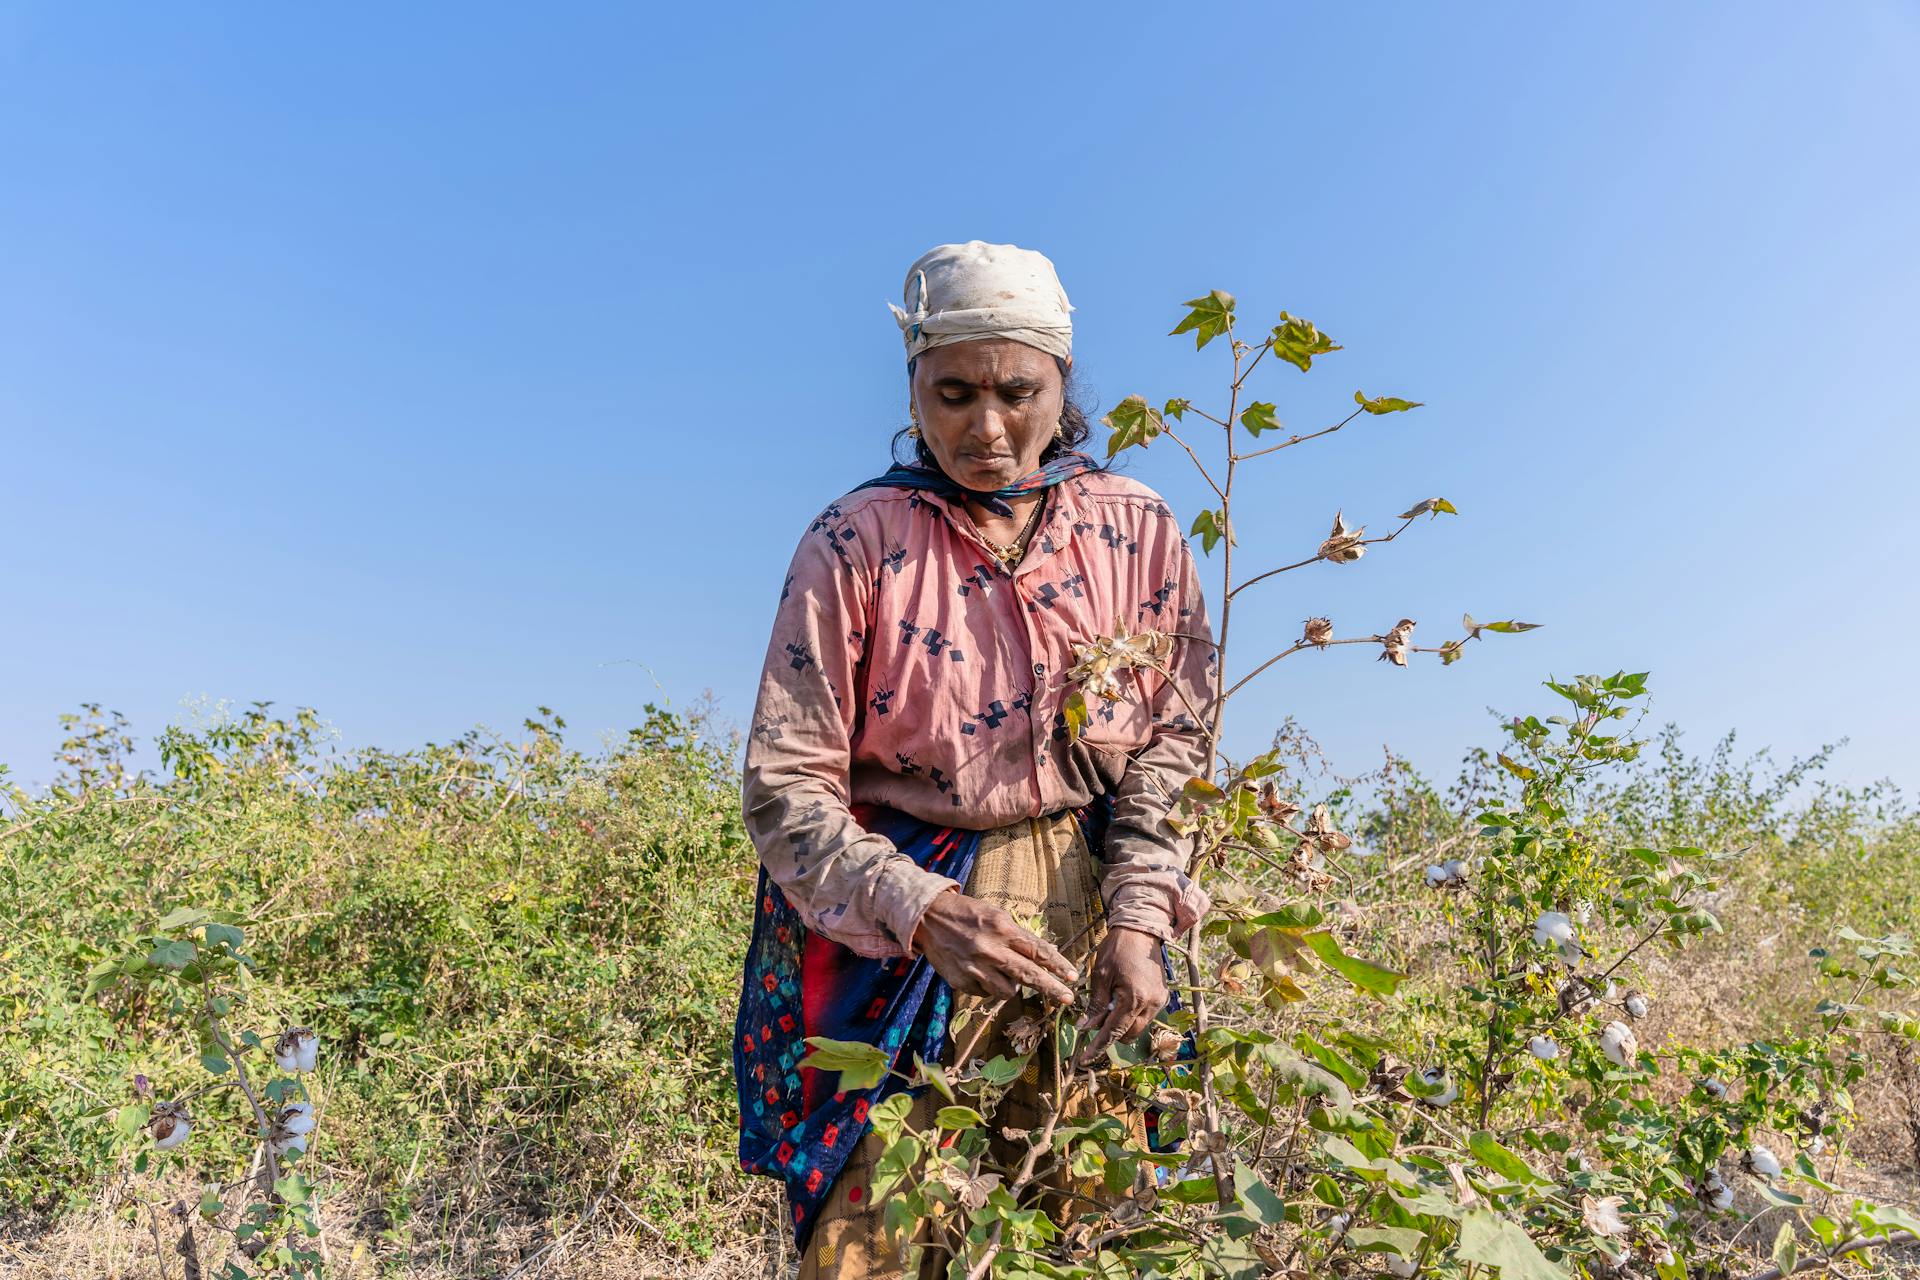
x=1128 y=976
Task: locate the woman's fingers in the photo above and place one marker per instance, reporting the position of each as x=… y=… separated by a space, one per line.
x=1037 y=948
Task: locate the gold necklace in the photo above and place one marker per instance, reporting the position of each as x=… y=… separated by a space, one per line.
x=1010 y=553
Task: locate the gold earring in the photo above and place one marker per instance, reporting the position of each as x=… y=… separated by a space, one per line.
x=913 y=432
x=913 y=411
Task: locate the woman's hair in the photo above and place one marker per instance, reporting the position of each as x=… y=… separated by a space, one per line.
x=1073 y=422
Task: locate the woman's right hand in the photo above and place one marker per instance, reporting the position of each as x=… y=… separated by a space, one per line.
x=982 y=951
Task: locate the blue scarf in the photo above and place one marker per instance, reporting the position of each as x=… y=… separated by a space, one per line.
x=1061 y=467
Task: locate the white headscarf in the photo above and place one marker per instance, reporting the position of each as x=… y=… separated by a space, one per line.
x=962 y=292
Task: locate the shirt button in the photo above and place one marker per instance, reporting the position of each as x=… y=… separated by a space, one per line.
x=1039 y=668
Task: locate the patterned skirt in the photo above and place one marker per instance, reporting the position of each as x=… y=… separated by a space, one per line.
x=1040 y=868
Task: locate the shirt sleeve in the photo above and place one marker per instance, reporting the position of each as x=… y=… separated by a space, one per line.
x=848 y=884
x=1146 y=883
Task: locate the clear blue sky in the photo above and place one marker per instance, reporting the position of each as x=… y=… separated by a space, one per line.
x=427 y=363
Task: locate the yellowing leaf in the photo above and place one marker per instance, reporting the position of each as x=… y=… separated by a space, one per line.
x=1077 y=715
x=1134 y=422
x=1298 y=341
x=1384 y=404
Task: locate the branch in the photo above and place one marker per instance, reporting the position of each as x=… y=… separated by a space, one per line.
x=1169 y=432
x=1291 y=441
x=1364 y=542
x=1840 y=1250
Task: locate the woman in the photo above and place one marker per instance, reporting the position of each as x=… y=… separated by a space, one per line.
x=911 y=787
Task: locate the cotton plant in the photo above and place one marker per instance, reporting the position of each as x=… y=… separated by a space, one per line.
x=194 y=962
x=1526 y=1138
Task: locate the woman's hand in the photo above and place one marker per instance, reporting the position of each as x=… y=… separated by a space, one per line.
x=1129 y=988
x=981 y=951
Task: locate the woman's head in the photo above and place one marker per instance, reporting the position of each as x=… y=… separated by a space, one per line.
x=990 y=411
x=989 y=339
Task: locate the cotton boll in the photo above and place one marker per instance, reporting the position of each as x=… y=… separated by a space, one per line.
x=1583 y=912
x=1602 y=1216
x=1545 y=1048
x=297 y=1117
x=1620 y=1045
x=1440 y=1090
x=1638 y=1005
x=288 y=1144
x=1456 y=867
x=1817 y=1144
x=1402 y=1267
x=297 y=1049
x=1552 y=926
x=1437 y=877
x=1714 y=1088
x=1761 y=1162
x=168 y=1124
x=1338 y=1223
x=1715 y=1194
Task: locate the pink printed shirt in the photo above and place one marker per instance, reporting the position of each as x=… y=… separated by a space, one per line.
x=907 y=669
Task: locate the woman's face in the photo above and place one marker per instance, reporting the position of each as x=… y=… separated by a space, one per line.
x=988 y=408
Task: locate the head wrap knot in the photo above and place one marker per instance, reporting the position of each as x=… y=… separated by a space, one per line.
x=964 y=292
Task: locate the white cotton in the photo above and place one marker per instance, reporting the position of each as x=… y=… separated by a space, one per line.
x=297 y=1117
x=1402 y=1267
x=1441 y=1090
x=1619 y=1043
x=1716 y=1194
x=1638 y=1005
x=1456 y=867
x=1762 y=1163
x=1545 y=1048
x=1556 y=927
x=1715 y=1088
x=1437 y=877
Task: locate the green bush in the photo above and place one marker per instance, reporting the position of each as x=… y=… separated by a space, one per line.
x=519 y=956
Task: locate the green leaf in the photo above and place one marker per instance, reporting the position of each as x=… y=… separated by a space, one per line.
x=886 y=1117
x=1384 y=404
x=215 y=1062
x=1211 y=526
x=1176 y=409
x=1507 y=627
x=1430 y=507
x=1210 y=317
x=895 y=1164
x=1493 y=1241
x=1298 y=341
x=1374 y=979
x=1232 y=1257
x=1402 y=1242
x=1259 y=416
x=1299 y=915
x=211 y=1206
x=861 y=1066
x=226 y=935
x=958 y=1118
x=181 y=918
x=1499 y=1159
x=1134 y=422
x=1201 y=1190
x=1257 y=1198
x=171 y=953
x=1786 y=1249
